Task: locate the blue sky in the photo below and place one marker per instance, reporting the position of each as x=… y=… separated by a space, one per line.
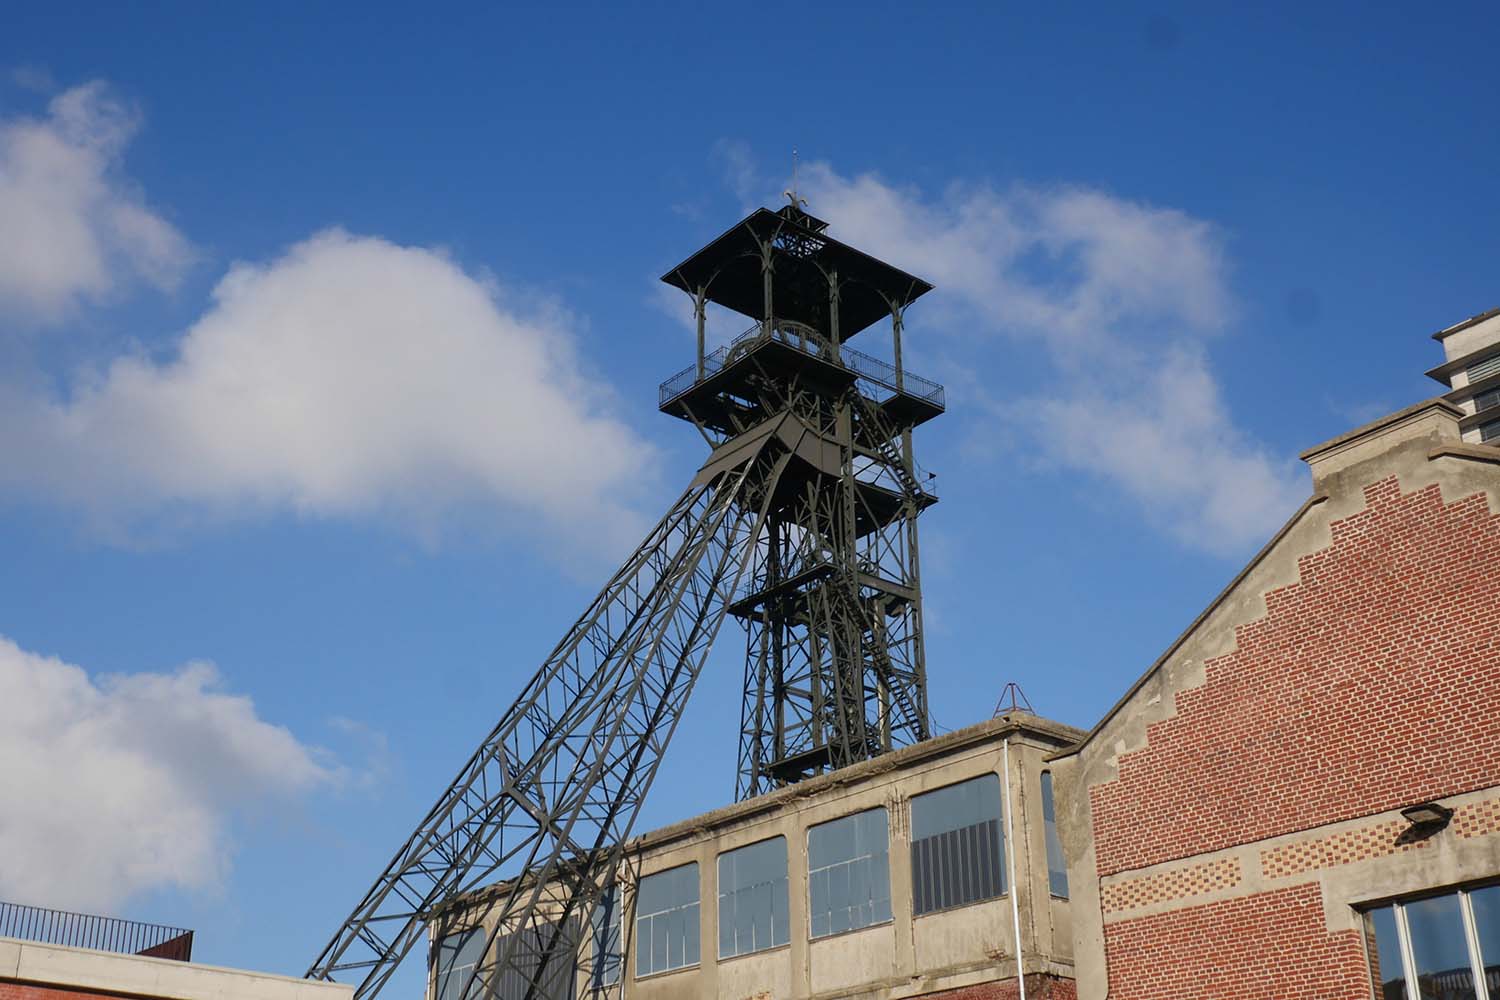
x=329 y=343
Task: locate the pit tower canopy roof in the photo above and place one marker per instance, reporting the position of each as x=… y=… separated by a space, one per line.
x=730 y=267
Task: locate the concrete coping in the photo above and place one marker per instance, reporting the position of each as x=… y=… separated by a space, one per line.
x=896 y=760
x=1465 y=324
x=1405 y=416
x=137 y=975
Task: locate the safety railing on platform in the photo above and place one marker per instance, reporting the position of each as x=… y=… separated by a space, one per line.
x=868 y=368
x=83 y=930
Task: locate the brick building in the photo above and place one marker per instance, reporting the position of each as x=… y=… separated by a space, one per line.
x=1300 y=798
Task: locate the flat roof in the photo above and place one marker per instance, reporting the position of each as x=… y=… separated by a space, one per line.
x=1465 y=324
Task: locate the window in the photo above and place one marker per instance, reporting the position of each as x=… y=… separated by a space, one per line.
x=666 y=920
x=554 y=977
x=957 y=845
x=1485 y=368
x=1486 y=400
x=1438 y=947
x=454 y=962
x=1490 y=431
x=1057 y=865
x=848 y=873
x=753 y=898
x=605 y=934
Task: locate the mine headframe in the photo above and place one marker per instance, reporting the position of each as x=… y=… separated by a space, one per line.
x=835 y=670
x=801 y=524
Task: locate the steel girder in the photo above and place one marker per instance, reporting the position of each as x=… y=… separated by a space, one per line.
x=548 y=800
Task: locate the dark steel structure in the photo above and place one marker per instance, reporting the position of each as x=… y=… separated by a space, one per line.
x=85 y=930
x=801 y=524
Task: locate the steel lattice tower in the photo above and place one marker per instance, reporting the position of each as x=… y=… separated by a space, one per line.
x=801 y=524
x=834 y=669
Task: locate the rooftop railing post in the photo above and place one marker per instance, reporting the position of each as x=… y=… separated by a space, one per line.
x=767 y=273
x=896 y=339
x=833 y=315
x=700 y=309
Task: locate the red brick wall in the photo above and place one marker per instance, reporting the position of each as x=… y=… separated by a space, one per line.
x=27 y=991
x=1372 y=683
x=1038 y=987
x=1270 y=945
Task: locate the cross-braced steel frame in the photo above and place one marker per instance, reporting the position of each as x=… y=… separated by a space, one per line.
x=549 y=799
x=834 y=669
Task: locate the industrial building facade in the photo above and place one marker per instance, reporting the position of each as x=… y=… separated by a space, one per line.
x=1301 y=798
x=1303 y=795
x=924 y=872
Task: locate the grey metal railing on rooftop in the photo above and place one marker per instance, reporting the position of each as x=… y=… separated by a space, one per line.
x=83 y=930
x=871 y=370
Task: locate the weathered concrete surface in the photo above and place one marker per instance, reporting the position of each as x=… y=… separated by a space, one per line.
x=64 y=968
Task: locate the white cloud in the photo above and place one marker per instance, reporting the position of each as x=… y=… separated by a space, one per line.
x=71 y=228
x=1124 y=297
x=129 y=783
x=720 y=324
x=348 y=377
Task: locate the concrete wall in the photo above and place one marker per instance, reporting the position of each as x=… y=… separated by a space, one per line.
x=1472 y=338
x=1227 y=819
x=962 y=948
x=32 y=971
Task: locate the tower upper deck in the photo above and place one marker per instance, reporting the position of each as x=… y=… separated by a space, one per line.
x=808 y=294
x=805 y=263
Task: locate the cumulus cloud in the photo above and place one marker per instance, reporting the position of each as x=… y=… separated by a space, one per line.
x=72 y=228
x=1124 y=297
x=122 y=784
x=347 y=377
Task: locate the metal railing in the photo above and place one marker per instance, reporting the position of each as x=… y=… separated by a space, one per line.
x=83 y=930
x=869 y=369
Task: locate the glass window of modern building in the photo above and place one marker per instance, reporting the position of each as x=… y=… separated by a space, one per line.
x=849 y=873
x=666 y=920
x=957 y=845
x=753 y=898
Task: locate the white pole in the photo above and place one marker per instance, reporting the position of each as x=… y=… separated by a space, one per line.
x=1010 y=850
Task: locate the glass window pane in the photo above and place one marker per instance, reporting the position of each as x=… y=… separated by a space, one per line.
x=1439 y=949
x=690 y=954
x=605 y=926
x=752 y=887
x=957 y=845
x=847 y=858
x=667 y=920
x=457 y=954
x=1057 y=868
x=1385 y=955
x=660 y=944
x=1486 y=904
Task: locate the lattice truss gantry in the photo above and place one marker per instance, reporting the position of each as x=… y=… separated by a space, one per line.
x=554 y=790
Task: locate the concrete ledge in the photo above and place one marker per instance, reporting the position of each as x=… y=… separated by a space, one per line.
x=135 y=975
x=1475 y=452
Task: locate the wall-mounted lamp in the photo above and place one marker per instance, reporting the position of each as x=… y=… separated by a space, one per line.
x=1428 y=815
